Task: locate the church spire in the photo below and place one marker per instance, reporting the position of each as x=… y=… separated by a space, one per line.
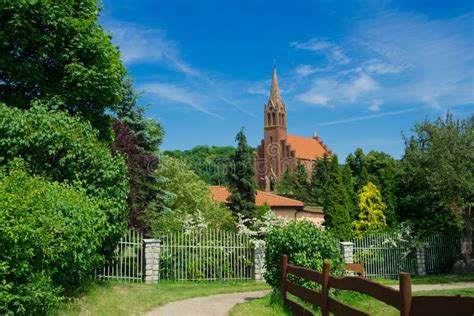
x=275 y=96
x=275 y=109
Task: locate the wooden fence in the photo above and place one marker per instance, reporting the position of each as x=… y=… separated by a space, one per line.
x=402 y=300
x=127 y=264
x=385 y=255
x=206 y=255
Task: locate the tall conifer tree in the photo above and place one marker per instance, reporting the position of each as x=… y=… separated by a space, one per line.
x=241 y=179
x=336 y=204
x=319 y=178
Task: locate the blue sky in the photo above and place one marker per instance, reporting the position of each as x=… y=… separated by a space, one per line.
x=358 y=72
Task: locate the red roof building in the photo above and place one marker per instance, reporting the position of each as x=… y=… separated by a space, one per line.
x=280 y=205
x=279 y=151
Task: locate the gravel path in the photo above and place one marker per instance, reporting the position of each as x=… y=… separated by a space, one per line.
x=445 y=286
x=214 y=305
x=221 y=304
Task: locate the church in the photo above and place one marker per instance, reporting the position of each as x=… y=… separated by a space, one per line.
x=278 y=150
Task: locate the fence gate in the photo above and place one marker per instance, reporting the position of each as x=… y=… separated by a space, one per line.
x=127 y=264
x=206 y=255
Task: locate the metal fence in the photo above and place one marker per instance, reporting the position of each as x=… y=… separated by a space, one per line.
x=385 y=255
x=382 y=257
x=206 y=255
x=441 y=252
x=127 y=264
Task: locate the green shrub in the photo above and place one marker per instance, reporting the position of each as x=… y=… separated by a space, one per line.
x=50 y=240
x=305 y=244
x=59 y=147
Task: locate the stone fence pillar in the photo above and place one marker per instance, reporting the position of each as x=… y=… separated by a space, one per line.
x=347 y=251
x=259 y=261
x=421 y=260
x=152 y=260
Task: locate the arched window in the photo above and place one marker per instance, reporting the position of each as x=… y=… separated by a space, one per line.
x=283 y=119
x=274 y=119
x=271 y=140
x=268 y=120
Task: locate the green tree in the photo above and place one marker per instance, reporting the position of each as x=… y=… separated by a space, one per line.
x=301 y=182
x=382 y=170
x=337 y=203
x=241 y=179
x=52 y=238
x=62 y=148
x=189 y=200
x=138 y=138
x=347 y=181
x=371 y=215
x=57 y=50
x=286 y=185
x=436 y=190
x=319 y=178
x=211 y=163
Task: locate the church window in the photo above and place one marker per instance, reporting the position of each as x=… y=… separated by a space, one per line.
x=274 y=119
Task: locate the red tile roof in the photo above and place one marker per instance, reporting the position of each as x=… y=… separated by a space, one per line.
x=306 y=148
x=221 y=194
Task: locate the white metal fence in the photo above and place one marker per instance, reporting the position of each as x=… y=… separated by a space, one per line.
x=206 y=255
x=127 y=264
x=385 y=255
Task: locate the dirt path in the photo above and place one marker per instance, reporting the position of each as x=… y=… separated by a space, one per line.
x=214 y=305
x=445 y=286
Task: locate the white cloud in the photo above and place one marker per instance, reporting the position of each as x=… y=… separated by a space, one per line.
x=306 y=70
x=402 y=58
x=314 y=97
x=333 y=51
x=368 y=117
x=375 y=107
x=359 y=85
x=180 y=95
x=140 y=45
x=338 y=90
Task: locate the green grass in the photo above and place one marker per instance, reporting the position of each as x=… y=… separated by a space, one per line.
x=135 y=299
x=432 y=279
x=271 y=304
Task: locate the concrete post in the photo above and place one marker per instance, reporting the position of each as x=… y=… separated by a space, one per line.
x=259 y=261
x=421 y=260
x=347 y=251
x=152 y=260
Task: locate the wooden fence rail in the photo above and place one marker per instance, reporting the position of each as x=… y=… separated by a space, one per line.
x=402 y=299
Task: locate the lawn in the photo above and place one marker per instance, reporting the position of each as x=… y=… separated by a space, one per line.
x=432 y=279
x=271 y=304
x=134 y=299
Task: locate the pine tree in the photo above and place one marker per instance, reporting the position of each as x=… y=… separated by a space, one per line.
x=301 y=182
x=336 y=204
x=319 y=178
x=371 y=215
x=286 y=185
x=241 y=180
x=347 y=180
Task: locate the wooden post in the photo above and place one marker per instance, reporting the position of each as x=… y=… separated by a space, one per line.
x=405 y=293
x=284 y=265
x=325 y=290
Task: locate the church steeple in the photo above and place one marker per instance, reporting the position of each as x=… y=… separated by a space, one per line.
x=275 y=96
x=275 y=109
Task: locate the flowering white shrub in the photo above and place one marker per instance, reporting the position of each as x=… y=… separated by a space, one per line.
x=258 y=227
